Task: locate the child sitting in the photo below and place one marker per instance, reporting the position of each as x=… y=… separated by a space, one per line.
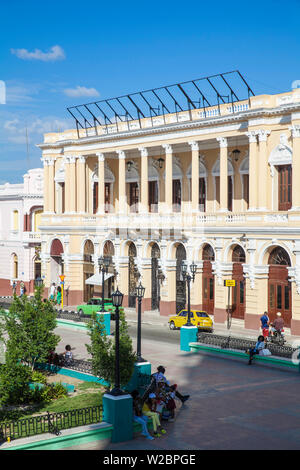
x=149 y=409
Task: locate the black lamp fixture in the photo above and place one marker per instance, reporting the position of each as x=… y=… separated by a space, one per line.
x=236 y=154
x=139 y=293
x=188 y=278
x=103 y=263
x=129 y=165
x=160 y=162
x=117 y=300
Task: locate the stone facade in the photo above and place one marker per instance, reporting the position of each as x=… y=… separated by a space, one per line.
x=21 y=206
x=219 y=189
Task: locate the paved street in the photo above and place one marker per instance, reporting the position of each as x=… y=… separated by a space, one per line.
x=232 y=405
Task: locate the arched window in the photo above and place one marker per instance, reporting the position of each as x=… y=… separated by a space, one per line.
x=280 y=257
x=88 y=251
x=15 y=267
x=15 y=220
x=238 y=255
x=208 y=253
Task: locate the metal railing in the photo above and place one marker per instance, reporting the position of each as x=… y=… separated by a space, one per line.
x=50 y=423
x=79 y=365
x=243 y=344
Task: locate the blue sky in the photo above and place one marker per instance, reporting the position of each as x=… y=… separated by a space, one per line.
x=55 y=54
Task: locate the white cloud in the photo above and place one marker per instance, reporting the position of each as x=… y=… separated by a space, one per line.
x=19 y=133
x=81 y=91
x=55 y=53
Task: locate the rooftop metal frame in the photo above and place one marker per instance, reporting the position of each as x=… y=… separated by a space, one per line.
x=201 y=93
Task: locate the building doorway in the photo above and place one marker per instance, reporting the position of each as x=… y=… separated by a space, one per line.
x=88 y=269
x=208 y=280
x=56 y=260
x=279 y=287
x=238 y=291
x=155 y=285
x=132 y=275
x=109 y=252
x=180 y=283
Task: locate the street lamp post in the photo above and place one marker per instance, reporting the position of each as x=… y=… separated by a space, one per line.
x=188 y=278
x=117 y=299
x=139 y=293
x=103 y=264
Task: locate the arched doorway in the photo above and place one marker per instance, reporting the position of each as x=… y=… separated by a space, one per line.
x=57 y=265
x=279 y=287
x=155 y=287
x=37 y=267
x=109 y=252
x=180 y=283
x=132 y=275
x=208 y=280
x=238 y=291
x=88 y=269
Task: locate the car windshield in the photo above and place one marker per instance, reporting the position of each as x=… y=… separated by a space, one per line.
x=202 y=314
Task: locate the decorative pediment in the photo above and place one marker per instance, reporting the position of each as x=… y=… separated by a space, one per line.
x=282 y=154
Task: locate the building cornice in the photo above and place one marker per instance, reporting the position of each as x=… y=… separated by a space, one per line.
x=241 y=117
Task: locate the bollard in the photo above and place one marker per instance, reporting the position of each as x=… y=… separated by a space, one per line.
x=188 y=334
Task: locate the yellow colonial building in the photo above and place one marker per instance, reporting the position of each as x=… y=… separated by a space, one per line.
x=214 y=182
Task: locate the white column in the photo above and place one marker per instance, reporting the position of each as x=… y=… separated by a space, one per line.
x=101 y=183
x=195 y=175
x=122 y=183
x=144 y=204
x=51 y=194
x=252 y=170
x=262 y=169
x=295 y=130
x=223 y=173
x=168 y=179
x=81 y=185
x=46 y=183
x=67 y=184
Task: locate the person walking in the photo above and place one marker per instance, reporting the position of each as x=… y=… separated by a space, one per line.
x=52 y=291
x=58 y=296
x=265 y=323
x=14 y=288
x=22 y=289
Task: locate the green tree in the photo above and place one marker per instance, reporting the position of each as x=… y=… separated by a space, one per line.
x=14 y=383
x=28 y=329
x=102 y=351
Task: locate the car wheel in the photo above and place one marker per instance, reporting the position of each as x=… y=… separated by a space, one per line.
x=172 y=325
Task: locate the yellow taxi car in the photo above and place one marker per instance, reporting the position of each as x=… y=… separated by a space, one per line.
x=198 y=318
